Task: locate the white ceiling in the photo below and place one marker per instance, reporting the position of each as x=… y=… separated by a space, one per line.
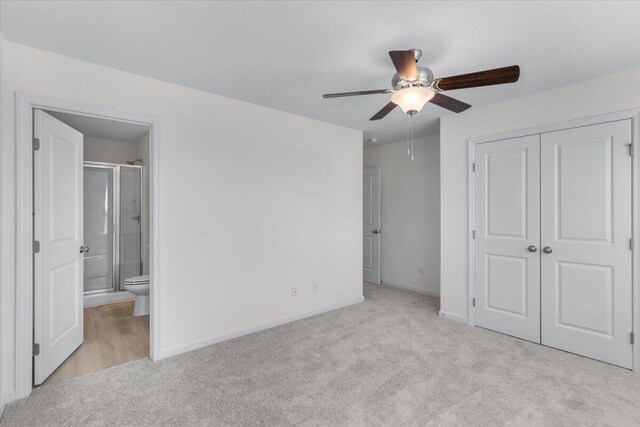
x=285 y=55
x=93 y=127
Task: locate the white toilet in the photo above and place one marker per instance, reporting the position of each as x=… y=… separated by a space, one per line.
x=139 y=286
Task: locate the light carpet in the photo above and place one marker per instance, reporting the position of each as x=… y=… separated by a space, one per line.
x=388 y=361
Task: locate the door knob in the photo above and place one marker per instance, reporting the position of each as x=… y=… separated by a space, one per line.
x=81 y=249
x=532 y=248
x=547 y=249
x=86 y=249
x=376 y=231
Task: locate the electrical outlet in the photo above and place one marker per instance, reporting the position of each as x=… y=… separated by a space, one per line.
x=294 y=291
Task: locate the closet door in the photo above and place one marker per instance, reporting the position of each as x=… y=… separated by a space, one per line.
x=507 y=225
x=586 y=232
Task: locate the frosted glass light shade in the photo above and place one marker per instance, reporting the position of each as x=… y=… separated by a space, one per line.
x=412 y=99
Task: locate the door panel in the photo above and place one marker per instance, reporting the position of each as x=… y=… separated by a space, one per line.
x=98 y=228
x=58 y=221
x=371 y=225
x=586 y=222
x=507 y=274
x=130 y=219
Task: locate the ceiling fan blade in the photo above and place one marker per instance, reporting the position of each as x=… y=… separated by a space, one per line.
x=405 y=63
x=449 y=103
x=385 y=110
x=361 y=92
x=496 y=76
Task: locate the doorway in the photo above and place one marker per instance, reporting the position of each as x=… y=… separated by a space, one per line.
x=371 y=225
x=89 y=227
x=65 y=316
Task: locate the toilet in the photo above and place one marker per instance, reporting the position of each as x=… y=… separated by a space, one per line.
x=139 y=286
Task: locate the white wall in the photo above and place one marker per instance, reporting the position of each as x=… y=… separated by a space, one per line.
x=410 y=213
x=109 y=151
x=243 y=191
x=607 y=94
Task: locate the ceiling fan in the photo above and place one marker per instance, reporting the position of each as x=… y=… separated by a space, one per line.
x=414 y=86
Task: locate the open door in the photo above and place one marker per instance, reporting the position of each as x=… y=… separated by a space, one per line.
x=371 y=226
x=58 y=231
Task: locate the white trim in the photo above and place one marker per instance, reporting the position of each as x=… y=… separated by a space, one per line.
x=25 y=103
x=6 y=399
x=453 y=317
x=94 y=300
x=174 y=351
x=411 y=288
x=634 y=116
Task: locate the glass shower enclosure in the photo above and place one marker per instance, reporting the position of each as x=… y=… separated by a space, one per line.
x=112 y=226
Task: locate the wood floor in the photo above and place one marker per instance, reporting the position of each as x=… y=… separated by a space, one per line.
x=112 y=336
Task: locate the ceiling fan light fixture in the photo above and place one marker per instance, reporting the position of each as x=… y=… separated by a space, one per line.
x=412 y=99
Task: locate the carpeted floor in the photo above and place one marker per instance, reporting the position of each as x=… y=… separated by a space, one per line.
x=388 y=361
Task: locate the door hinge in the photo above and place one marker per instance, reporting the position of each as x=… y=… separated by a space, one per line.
x=632 y=338
x=473 y=302
x=36 y=349
x=631 y=244
x=631 y=150
x=473 y=234
x=36 y=144
x=473 y=166
x=36 y=246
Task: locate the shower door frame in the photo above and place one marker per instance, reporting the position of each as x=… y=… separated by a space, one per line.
x=116 y=168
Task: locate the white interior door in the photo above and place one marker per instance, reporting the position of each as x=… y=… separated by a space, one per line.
x=371 y=225
x=586 y=233
x=507 y=226
x=58 y=266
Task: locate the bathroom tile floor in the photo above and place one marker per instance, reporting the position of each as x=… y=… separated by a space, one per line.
x=112 y=336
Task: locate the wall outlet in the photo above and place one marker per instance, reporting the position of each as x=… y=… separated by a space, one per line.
x=294 y=291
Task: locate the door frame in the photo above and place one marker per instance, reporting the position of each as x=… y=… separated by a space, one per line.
x=634 y=116
x=25 y=104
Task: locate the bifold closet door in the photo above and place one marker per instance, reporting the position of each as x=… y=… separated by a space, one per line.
x=507 y=225
x=586 y=232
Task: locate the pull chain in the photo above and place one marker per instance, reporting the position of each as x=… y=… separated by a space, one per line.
x=408 y=143
x=412 y=138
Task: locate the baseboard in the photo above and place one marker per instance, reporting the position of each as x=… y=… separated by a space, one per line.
x=411 y=288
x=453 y=317
x=214 y=340
x=107 y=298
x=6 y=399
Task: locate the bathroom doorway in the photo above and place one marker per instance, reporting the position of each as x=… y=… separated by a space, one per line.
x=107 y=331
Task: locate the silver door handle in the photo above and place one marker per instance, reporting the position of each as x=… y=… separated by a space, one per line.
x=84 y=249
x=376 y=231
x=547 y=249
x=81 y=249
x=136 y=218
x=532 y=248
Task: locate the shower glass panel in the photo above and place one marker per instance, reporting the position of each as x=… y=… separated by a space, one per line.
x=130 y=223
x=99 y=267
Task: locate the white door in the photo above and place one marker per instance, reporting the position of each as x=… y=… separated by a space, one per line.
x=507 y=226
x=371 y=225
x=586 y=232
x=58 y=266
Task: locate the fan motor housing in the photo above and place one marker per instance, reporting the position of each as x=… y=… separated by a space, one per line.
x=425 y=78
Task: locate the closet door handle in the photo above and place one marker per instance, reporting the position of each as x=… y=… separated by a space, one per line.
x=532 y=248
x=547 y=249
